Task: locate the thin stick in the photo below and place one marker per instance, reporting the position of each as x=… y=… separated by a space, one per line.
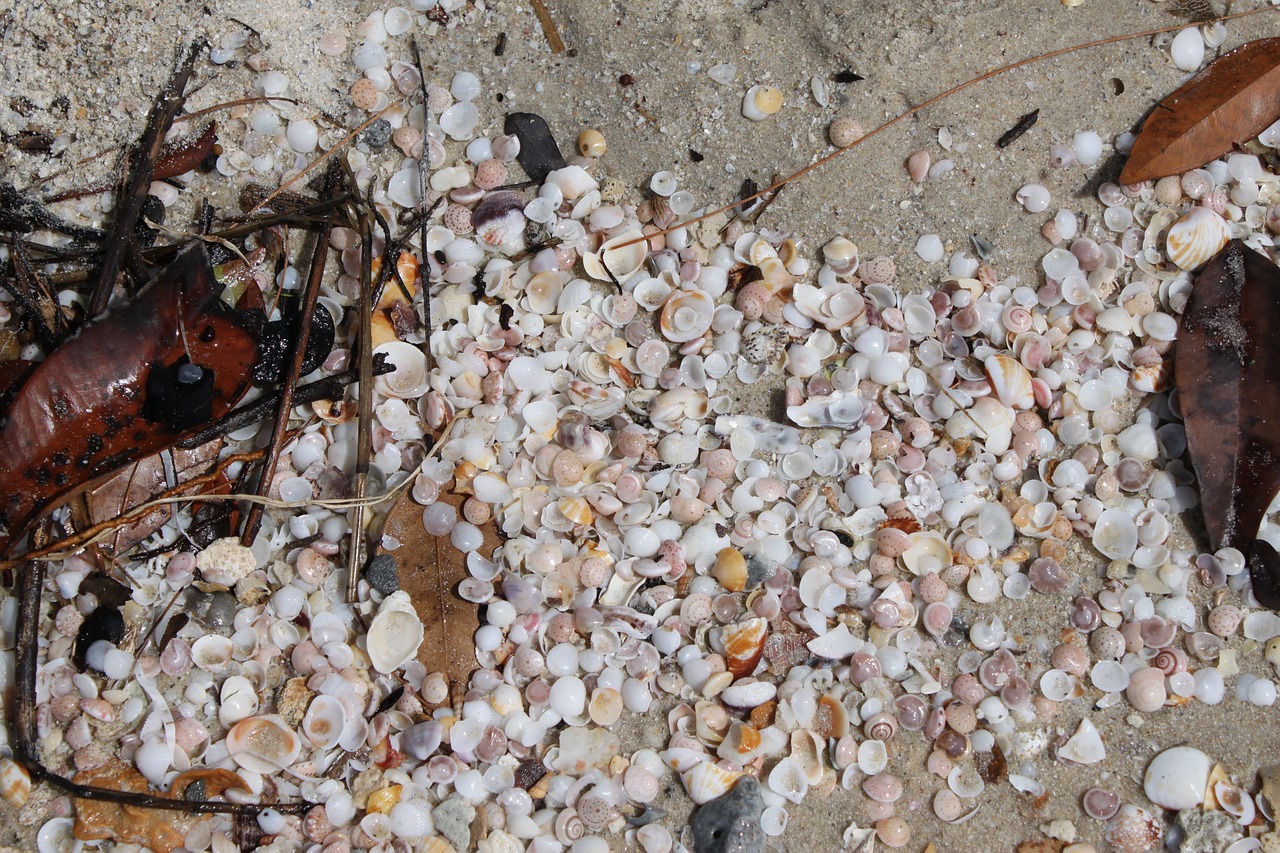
x=822 y=161
x=364 y=413
x=226 y=105
x=319 y=258
x=548 y=26
x=323 y=157
x=142 y=164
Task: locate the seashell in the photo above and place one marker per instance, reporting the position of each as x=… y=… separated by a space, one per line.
x=263 y=744
x=57 y=835
x=707 y=780
x=788 y=779
x=324 y=721
x=1235 y=801
x=844 y=409
x=743 y=645
x=873 y=757
x=730 y=569
x=543 y=291
x=830 y=720
x=928 y=552
x=742 y=744
x=881 y=727
x=1177 y=778
x=499 y=220
x=806 y=751
x=760 y=102
x=394 y=634
x=686 y=315
x=615 y=262
x=1085 y=746
x=1115 y=534
x=1101 y=804
x=1010 y=381
x=212 y=652
x=15 y=783
x=883 y=788
x=409 y=379
x=1197 y=236
x=1133 y=830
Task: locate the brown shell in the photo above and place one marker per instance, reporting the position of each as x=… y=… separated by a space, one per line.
x=743 y=645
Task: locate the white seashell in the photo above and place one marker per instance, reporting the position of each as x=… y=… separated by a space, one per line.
x=1187 y=49
x=395 y=633
x=706 y=780
x=325 y=719
x=1177 y=778
x=574 y=182
x=543 y=291
x=965 y=782
x=873 y=756
x=1010 y=381
x=788 y=779
x=844 y=409
x=1085 y=746
x=57 y=836
x=612 y=261
x=263 y=744
x=1197 y=236
x=410 y=378
x=686 y=315
x=212 y=652
x=928 y=552
x=836 y=644
x=239 y=701
x=1115 y=534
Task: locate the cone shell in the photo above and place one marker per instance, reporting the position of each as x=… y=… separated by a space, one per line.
x=743 y=645
x=706 y=781
x=730 y=569
x=1196 y=237
x=1010 y=381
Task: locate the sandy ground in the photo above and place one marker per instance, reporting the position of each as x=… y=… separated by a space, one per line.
x=88 y=71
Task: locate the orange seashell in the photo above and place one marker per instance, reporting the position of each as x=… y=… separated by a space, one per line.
x=907 y=524
x=15 y=783
x=830 y=720
x=762 y=716
x=730 y=569
x=743 y=645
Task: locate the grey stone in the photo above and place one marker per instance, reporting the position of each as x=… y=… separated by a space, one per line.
x=731 y=822
x=1207 y=831
x=453 y=820
x=383 y=574
x=377 y=134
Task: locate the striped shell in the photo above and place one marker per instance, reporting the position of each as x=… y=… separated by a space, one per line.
x=1196 y=237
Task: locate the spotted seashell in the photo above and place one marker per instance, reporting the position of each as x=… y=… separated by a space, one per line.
x=706 y=781
x=765 y=345
x=1196 y=237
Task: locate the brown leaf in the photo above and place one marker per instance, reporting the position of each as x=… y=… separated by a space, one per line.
x=1225 y=369
x=430 y=569
x=1232 y=100
x=98 y=820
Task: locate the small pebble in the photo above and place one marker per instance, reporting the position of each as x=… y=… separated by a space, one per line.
x=382 y=574
x=377 y=134
x=731 y=822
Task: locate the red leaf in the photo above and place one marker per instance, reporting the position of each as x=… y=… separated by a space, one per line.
x=1231 y=101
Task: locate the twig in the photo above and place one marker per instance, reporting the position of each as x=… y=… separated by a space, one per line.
x=319 y=258
x=822 y=161
x=364 y=412
x=142 y=162
x=226 y=105
x=548 y=26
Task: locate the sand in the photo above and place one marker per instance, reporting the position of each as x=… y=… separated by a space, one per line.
x=86 y=72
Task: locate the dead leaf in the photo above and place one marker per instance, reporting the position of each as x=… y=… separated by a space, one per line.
x=1231 y=101
x=98 y=820
x=1225 y=369
x=430 y=569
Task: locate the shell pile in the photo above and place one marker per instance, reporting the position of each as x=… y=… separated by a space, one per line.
x=791 y=598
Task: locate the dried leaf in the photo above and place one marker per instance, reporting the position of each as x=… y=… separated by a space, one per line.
x=101 y=820
x=115 y=392
x=1231 y=101
x=430 y=569
x=539 y=155
x=1225 y=369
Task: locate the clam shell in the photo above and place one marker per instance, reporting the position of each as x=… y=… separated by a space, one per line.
x=844 y=409
x=263 y=744
x=706 y=781
x=1197 y=236
x=730 y=569
x=1177 y=778
x=1010 y=381
x=395 y=633
x=612 y=257
x=927 y=553
x=409 y=380
x=324 y=721
x=543 y=291
x=788 y=779
x=212 y=652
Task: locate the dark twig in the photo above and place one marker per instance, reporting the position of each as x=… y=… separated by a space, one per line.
x=38 y=302
x=319 y=258
x=142 y=163
x=364 y=412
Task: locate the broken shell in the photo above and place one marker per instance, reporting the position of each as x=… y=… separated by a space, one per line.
x=1085 y=746
x=1133 y=830
x=707 y=780
x=743 y=645
x=263 y=744
x=788 y=779
x=615 y=262
x=395 y=633
x=730 y=569
x=1177 y=778
x=1196 y=237
x=409 y=379
x=686 y=315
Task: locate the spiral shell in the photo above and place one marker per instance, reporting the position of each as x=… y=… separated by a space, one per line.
x=569 y=827
x=743 y=645
x=881 y=727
